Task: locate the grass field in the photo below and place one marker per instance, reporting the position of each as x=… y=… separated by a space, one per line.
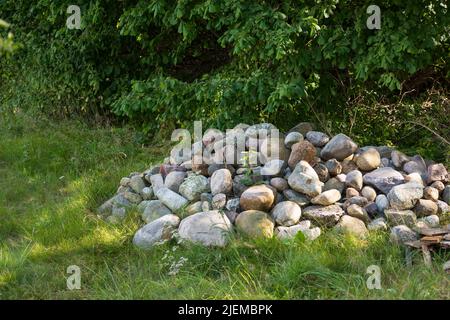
x=54 y=175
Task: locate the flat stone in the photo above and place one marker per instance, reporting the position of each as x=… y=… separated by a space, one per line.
x=171 y=199
x=327 y=198
x=324 y=215
x=400 y=217
x=383 y=179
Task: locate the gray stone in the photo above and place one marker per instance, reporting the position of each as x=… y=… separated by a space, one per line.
x=289 y=232
x=210 y=228
x=405 y=196
x=401 y=234
x=399 y=217
x=156 y=232
x=137 y=184
x=292 y=138
x=339 y=147
x=300 y=199
x=383 y=179
x=446 y=195
x=334 y=167
x=193 y=186
x=171 y=199
x=382 y=203
x=318 y=139
x=377 y=224
x=233 y=204
x=174 y=179
x=398 y=159
x=334 y=183
x=324 y=215
x=279 y=183
x=430 y=221
x=443 y=207
x=156 y=181
x=286 y=213
x=147 y=193
x=356 y=211
x=154 y=210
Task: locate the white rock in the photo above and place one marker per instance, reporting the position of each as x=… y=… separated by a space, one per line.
x=171 y=199
x=210 y=228
x=286 y=213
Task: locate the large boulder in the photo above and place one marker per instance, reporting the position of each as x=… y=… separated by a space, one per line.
x=254 y=223
x=157 y=231
x=405 y=196
x=305 y=180
x=210 y=228
x=339 y=148
x=174 y=179
x=383 y=179
x=259 y=197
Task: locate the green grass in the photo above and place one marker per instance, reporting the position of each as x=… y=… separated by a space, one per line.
x=54 y=175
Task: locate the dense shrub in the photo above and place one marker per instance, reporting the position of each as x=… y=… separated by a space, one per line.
x=163 y=63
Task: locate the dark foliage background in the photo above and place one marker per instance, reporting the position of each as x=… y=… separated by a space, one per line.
x=161 y=64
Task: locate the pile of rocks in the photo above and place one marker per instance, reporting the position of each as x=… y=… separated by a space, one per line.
x=314 y=183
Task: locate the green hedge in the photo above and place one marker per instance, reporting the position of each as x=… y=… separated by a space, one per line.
x=163 y=63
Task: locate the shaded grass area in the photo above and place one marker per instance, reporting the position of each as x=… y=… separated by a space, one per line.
x=54 y=176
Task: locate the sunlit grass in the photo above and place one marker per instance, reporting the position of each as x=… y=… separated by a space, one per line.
x=54 y=176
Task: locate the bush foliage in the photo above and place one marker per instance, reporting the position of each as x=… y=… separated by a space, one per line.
x=163 y=63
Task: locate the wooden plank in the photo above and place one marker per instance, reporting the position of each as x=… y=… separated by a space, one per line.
x=426 y=255
x=431 y=239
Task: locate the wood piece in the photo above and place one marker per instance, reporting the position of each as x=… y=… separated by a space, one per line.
x=426 y=255
x=431 y=239
x=408 y=256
